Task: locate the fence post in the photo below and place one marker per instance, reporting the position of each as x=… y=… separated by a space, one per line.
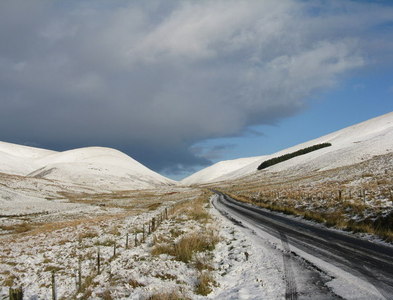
x=16 y=293
x=98 y=261
x=127 y=240
x=79 y=273
x=54 y=296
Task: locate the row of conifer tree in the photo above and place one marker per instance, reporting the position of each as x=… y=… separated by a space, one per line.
x=276 y=160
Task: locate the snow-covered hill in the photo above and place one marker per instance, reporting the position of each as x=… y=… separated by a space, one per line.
x=101 y=167
x=350 y=145
x=18 y=159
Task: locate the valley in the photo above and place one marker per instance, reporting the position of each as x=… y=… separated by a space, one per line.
x=93 y=223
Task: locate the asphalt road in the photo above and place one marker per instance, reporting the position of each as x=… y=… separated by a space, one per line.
x=364 y=259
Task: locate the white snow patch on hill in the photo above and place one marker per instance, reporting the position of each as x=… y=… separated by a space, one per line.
x=350 y=145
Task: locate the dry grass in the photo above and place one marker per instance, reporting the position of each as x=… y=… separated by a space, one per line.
x=202 y=263
x=85 y=289
x=205 y=283
x=154 y=206
x=192 y=243
x=106 y=295
x=188 y=245
x=193 y=248
x=87 y=235
x=195 y=209
x=9 y=281
x=174 y=295
x=134 y=283
x=162 y=249
x=18 y=228
x=332 y=214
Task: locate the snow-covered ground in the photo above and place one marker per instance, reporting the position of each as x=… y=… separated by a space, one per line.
x=35 y=180
x=349 y=146
x=241 y=267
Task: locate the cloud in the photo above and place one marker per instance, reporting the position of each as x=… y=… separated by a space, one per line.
x=152 y=78
x=211 y=152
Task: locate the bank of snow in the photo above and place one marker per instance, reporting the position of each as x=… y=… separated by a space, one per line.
x=349 y=146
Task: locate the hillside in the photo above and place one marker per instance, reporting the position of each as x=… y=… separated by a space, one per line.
x=100 y=167
x=349 y=146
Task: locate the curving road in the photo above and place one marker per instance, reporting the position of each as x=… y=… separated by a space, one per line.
x=371 y=262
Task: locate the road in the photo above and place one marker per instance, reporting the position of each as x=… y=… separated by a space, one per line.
x=371 y=262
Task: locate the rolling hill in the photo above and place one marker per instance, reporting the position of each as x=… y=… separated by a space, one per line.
x=101 y=167
x=349 y=146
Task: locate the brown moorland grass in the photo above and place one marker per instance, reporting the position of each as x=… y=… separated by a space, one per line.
x=381 y=226
x=174 y=295
x=205 y=283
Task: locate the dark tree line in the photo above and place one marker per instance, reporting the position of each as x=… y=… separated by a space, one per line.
x=276 y=160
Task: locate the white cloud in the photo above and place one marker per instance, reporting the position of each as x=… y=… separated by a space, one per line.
x=165 y=74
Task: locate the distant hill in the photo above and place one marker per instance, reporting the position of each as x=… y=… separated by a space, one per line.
x=350 y=145
x=92 y=166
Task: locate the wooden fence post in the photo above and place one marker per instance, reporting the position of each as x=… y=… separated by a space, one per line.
x=54 y=296
x=127 y=240
x=98 y=261
x=79 y=273
x=16 y=293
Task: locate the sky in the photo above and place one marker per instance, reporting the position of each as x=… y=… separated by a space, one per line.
x=181 y=84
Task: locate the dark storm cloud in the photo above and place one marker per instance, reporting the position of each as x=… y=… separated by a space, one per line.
x=152 y=78
x=213 y=152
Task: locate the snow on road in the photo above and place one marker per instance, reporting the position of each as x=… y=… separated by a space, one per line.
x=267 y=265
x=249 y=267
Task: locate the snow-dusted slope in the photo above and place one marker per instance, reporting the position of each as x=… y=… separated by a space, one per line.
x=211 y=173
x=350 y=145
x=93 y=166
x=18 y=159
x=98 y=166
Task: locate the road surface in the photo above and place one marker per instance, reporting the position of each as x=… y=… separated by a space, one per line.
x=370 y=262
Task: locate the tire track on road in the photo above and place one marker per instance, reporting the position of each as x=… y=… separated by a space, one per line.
x=366 y=266
x=290 y=281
